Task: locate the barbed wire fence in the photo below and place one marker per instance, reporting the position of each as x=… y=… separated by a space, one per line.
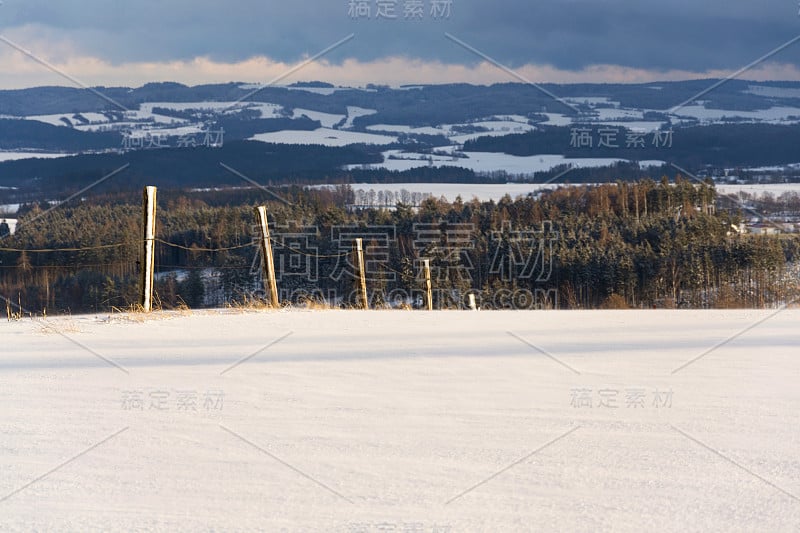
x=313 y=266
x=310 y=269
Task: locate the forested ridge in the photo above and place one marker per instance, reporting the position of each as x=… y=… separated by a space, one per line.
x=639 y=244
x=723 y=145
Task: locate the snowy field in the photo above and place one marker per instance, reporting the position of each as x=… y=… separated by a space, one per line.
x=450 y=191
x=776 y=189
x=352 y=421
x=328 y=120
x=484 y=161
x=484 y=192
x=323 y=136
x=773 y=115
x=16 y=156
x=495 y=191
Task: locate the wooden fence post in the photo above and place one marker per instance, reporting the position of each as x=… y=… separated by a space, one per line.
x=270 y=283
x=358 y=247
x=148 y=261
x=427 y=266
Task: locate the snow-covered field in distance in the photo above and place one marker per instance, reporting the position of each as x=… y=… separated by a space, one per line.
x=15 y=156
x=326 y=91
x=353 y=112
x=506 y=125
x=773 y=115
x=482 y=191
x=491 y=162
x=495 y=191
x=366 y=421
x=324 y=137
x=328 y=120
x=758 y=189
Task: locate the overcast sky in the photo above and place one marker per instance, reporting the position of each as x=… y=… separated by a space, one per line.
x=107 y=42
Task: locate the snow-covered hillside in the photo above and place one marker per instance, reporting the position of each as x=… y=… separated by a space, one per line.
x=151 y=122
x=402 y=421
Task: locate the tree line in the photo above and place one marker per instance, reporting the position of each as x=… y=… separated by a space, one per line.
x=623 y=245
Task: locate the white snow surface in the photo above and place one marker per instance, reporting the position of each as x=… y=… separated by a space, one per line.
x=776 y=189
x=328 y=120
x=327 y=91
x=353 y=112
x=399 y=128
x=363 y=421
x=488 y=162
x=590 y=100
x=774 y=92
x=482 y=191
x=773 y=115
x=642 y=126
x=506 y=125
x=607 y=113
x=323 y=136
x=266 y=110
x=557 y=119
x=14 y=156
x=53 y=120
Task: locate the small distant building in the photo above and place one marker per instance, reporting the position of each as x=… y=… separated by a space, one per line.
x=764 y=229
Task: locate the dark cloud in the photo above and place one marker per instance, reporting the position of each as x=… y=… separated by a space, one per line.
x=567 y=34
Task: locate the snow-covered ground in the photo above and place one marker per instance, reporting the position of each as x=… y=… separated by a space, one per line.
x=327 y=91
x=328 y=120
x=15 y=156
x=402 y=421
x=641 y=126
x=557 y=119
x=323 y=136
x=486 y=192
x=509 y=125
x=266 y=110
x=53 y=120
x=481 y=191
x=489 y=162
x=773 y=92
x=353 y=112
x=774 y=115
x=177 y=131
x=776 y=189
x=145 y=114
x=396 y=128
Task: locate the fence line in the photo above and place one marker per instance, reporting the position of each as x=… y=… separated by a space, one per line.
x=193 y=248
x=381 y=264
x=55 y=250
x=198 y=249
x=150 y=241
